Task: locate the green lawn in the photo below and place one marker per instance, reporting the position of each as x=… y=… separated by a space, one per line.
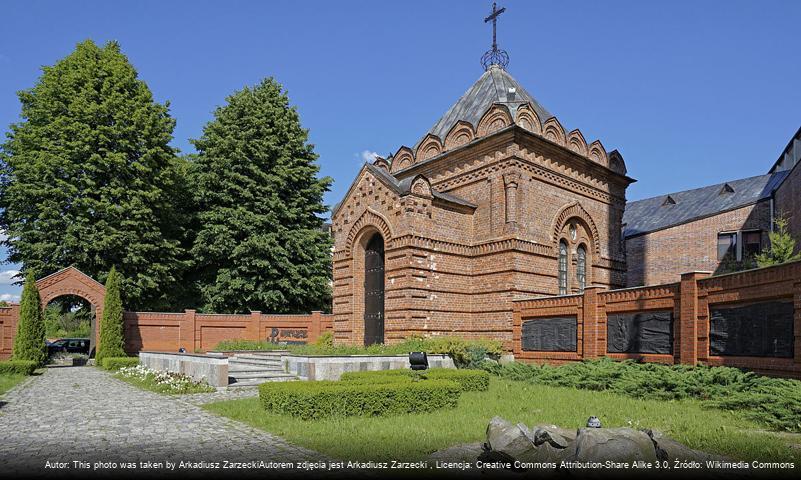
x=415 y=436
x=7 y=382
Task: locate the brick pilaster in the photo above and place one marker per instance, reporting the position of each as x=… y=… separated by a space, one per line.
x=252 y=330
x=591 y=322
x=186 y=332
x=687 y=325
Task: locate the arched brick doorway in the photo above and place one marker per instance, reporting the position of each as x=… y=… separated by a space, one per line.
x=374 y=290
x=72 y=282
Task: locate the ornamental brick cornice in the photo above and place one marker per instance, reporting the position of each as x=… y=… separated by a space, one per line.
x=536 y=169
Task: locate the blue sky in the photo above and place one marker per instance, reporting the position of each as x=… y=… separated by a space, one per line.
x=691 y=93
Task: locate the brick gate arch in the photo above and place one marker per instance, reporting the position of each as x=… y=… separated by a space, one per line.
x=71 y=281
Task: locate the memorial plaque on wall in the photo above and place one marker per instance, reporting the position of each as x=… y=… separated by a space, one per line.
x=641 y=332
x=556 y=334
x=758 y=330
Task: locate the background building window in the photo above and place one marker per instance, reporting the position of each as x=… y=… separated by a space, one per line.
x=727 y=246
x=752 y=244
x=562 y=268
x=581 y=267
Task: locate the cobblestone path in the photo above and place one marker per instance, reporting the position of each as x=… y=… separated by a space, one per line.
x=83 y=413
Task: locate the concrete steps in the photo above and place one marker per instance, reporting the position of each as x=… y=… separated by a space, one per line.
x=252 y=369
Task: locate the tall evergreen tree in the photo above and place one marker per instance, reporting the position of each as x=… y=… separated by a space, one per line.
x=29 y=342
x=112 y=335
x=87 y=177
x=260 y=243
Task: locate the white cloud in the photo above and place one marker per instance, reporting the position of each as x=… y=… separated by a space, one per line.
x=368 y=155
x=7 y=297
x=8 y=277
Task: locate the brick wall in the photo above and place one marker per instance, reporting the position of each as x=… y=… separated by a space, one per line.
x=167 y=332
x=662 y=256
x=690 y=300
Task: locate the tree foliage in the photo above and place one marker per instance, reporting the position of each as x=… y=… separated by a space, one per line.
x=112 y=335
x=782 y=246
x=259 y=242
x=87 y=177
x=29 y=342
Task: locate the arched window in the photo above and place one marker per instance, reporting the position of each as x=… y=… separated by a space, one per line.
x=581 y=267
x=562 y=268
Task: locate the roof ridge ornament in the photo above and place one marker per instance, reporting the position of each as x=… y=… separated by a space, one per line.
x=494 y=56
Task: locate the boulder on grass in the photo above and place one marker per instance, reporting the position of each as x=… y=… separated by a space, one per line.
x=615 y=444
x=506 y=437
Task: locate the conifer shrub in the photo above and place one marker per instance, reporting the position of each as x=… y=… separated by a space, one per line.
x=112 y=337
x=29 y=342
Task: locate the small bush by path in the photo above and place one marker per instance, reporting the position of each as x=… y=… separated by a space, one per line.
x=468 y=380
x=326 y=399
x=116 y=363
x=774 y=402
x=18 y=367
x=161 y=382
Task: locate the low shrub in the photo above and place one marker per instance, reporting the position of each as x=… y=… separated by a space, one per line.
x=326 y=340
x=774 y=402
x=468 y=380
x=116 y=363
x=17 y=367
x=324 y=399
x=465 y=353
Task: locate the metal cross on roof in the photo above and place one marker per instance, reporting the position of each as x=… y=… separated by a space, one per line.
x=494 y=56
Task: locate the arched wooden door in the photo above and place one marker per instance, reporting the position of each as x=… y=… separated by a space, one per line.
x=374 y=291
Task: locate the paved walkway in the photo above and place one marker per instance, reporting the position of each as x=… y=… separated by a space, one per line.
x=82 y=413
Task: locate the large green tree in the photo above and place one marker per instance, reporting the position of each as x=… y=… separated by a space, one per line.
x=29 y=341
x=88 y=177
x=259 y=242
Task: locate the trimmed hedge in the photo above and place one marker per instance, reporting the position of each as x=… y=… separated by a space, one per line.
x=116 y=363
x=17 y=367
x=468 y=380
x=324 y=399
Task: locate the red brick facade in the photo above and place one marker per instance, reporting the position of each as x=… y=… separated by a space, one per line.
x=454 y=267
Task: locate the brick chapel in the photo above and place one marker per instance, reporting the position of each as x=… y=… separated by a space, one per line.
x=497 y=200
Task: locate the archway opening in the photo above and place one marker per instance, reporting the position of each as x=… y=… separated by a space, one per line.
x=70 y=329
x=374 y=290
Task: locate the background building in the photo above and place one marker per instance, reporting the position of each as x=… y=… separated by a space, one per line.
x=717 y=228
